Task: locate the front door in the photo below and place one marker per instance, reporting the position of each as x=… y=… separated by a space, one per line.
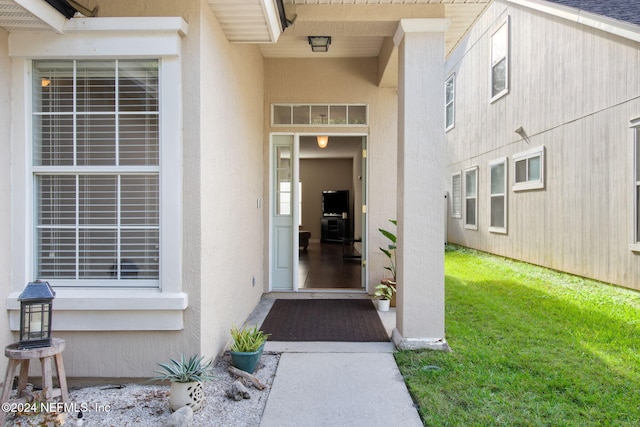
x=283 y=209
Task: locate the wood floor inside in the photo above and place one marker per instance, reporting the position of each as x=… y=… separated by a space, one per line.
x=329 y=266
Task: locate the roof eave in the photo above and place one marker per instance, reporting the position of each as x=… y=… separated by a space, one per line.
x=45 y=13
x=603 y=23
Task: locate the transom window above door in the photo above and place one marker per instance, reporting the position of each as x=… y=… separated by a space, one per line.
x=319 y=114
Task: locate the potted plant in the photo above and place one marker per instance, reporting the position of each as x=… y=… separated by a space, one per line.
x=384 y=293
x=247 y=347
x=186 y=376
x=390 y=252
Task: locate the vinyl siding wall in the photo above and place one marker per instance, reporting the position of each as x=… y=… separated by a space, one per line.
x=574 y=90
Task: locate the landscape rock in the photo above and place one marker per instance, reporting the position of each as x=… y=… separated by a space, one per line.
x=183 y=417
x=238 y=391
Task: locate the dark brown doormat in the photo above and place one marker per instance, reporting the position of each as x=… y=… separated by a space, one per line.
x=324 y=320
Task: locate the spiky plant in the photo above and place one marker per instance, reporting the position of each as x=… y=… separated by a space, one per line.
x=247 y=340
x=185 y=370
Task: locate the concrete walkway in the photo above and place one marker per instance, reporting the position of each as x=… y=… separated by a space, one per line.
x=336 y=384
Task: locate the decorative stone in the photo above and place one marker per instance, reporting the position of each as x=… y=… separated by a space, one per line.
x=238 y=391
x=183 y=417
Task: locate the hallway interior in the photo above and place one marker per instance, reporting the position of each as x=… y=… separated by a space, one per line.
x=329 y=266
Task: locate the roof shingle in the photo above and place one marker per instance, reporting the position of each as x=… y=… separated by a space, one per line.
x=622 y=10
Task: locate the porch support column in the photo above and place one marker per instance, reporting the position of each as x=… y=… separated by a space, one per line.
x=420 y=252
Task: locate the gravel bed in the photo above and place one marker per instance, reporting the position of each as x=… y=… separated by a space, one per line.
x=122 y=405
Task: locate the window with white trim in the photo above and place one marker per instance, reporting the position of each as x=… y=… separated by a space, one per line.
x=449 y=102
x=498 y=195
x=456 y=195
x=635 y=125
x=500 y=61
x=96 y=172
x=103 y=134
x=471 y=198
x=529 y=170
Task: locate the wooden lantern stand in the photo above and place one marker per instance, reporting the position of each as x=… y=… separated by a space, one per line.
x=22 y=357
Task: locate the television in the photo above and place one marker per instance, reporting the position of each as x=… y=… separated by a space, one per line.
x=335 y=202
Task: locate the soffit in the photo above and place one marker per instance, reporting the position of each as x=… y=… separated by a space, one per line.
x=14 y=17
x=247 y=21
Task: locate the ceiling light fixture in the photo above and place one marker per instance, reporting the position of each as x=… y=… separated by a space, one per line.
x=319 y=43
x=323 y=140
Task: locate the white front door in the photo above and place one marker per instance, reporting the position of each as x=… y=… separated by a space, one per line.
x=284 y=208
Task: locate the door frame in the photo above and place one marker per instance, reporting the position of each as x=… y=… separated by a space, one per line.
x=295 y=209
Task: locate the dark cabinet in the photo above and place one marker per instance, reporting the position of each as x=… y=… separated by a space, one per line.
x=333 y=229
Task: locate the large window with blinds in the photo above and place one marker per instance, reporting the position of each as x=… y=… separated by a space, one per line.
x=96 y=170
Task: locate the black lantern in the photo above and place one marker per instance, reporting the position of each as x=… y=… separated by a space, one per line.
x=35 y=315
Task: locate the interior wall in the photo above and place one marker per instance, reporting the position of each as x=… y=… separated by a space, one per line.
x=318 y=175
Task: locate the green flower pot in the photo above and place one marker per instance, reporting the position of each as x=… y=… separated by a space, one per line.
x=247 y=361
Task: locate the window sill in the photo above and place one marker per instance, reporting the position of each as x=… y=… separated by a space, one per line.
x=499 y=95
x=634 y=247
x=526 y=186
x=497 y=230
x=111 y=310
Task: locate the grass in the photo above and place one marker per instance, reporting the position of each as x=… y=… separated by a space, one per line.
x=531 y=347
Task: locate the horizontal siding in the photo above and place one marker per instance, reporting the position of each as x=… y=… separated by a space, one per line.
x=573 y=89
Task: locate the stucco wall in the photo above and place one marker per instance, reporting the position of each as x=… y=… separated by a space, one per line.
x=231 y=171
x=5 y=185
x=222 y=137
x=573 y=89
x=345 y=81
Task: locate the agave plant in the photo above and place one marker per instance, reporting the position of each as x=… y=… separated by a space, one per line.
x=247 y=340
x=185 y=371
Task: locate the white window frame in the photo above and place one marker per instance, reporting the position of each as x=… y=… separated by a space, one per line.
x=452 y=102
x=496 y=57
x=527 y=156
x=100 y=309
x=467 y=225
x=326 y=120
x=635 y=126
x=456 y=196
x=492 y=164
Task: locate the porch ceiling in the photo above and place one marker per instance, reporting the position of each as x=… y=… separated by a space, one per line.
x=357 y=27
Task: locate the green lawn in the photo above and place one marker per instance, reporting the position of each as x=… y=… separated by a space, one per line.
x=531 y=347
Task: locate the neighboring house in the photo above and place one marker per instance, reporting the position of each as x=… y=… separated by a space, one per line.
x=147 y=157
x=543 y=132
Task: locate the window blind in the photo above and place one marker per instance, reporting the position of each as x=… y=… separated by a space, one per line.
x=96 y=169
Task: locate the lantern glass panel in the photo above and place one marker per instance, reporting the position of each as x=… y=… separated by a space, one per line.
x=35 y=324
